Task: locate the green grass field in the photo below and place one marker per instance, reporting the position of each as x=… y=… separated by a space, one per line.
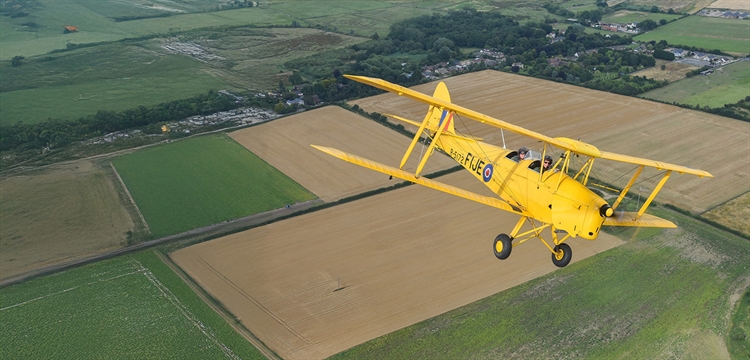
x=132 y=306
x=202 y=181
x=727 y=35
x=663 y=292
x=94 y=27
x=625 y=16
x=727 y=85
x=111 y=77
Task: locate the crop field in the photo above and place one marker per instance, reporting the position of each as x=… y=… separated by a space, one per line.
x=627 y=16
x=285 y=145
x=202 y=181
x=615 y=123
x=128 y=307
x=727 y=85
x=673 y=71
x=730 y=4
x=59 y=213
x=729 y=35
x=366 y=268
x=47 y=32
x=734 y=214
x=661 y=294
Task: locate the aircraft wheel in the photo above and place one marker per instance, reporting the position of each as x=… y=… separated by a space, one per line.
x=502 y=246
x=562 y=255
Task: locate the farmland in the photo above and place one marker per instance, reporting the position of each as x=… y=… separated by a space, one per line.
x=58 y=213
x=132 y=306
x=367 y=267
x=47 y=35
x=673 y=71
x=727 y=35
x=727 y=85
x=202 y=181
x=662 y=292
x=734 y=214
x=626 y=16
x=285 y=145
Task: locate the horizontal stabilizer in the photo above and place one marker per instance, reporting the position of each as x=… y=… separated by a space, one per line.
x=385 y=169
x=626 y=218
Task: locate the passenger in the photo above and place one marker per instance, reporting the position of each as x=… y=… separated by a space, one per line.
x=522 y=152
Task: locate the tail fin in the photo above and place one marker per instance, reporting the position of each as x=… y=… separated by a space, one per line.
x=436 y=117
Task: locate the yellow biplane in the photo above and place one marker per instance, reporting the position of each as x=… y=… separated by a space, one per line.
x=543 y=197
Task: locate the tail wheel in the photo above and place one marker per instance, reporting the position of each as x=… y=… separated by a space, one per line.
x=502 y=246
x=562 y=255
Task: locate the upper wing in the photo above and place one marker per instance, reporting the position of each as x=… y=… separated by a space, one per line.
x=385 y=169
x=460 y=110
x=575 y=146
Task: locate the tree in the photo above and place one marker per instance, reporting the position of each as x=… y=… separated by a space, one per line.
x=282 y=88
x=444 y=54
x=654 y=9
x=17 y=60
x=375 y=36
x=647 y=24
x=662 y=22
x=296 y=79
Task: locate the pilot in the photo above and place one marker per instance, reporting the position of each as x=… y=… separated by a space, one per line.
x=547 y=163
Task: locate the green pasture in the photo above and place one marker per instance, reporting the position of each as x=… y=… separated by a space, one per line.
x=662 y=292
x=202 y=181
x=132 y=306
x=727 y=85
x=111 y=77
x=626 y=16
x=729 y=35
x=49 y=19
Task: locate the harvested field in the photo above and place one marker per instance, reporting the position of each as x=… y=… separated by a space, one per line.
x=734 y=214
x=672 y=72
x=317 y=284
x=612 y=122
x=58 y=213
x=285 y=144
x=730 y=4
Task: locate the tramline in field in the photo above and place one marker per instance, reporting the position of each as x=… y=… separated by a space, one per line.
x=544 y=196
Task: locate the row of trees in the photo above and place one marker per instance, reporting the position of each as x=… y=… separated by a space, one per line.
x=58 y=133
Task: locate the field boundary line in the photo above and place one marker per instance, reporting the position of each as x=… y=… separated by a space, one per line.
x=186 y=312
x=137 y=210
x=218 y=308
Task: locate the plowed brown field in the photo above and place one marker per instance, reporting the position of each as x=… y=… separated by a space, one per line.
x=58 y=213
x=285 y=144
x=611 y=122
x=317 y=284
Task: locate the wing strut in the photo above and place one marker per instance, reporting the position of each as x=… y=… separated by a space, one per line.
x=627 y=187
x=653 y=194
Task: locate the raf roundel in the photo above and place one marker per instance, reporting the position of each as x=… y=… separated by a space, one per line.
x=487 y=173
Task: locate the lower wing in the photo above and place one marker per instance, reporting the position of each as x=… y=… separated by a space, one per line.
x=385 y=169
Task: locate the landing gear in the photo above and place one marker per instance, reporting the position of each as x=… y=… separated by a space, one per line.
x=562 y=255
x=502 y=246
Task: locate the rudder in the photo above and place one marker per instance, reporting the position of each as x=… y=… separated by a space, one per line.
x=435 y=116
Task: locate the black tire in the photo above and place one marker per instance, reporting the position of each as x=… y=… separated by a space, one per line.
x=502 y=246
x=562 y=256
